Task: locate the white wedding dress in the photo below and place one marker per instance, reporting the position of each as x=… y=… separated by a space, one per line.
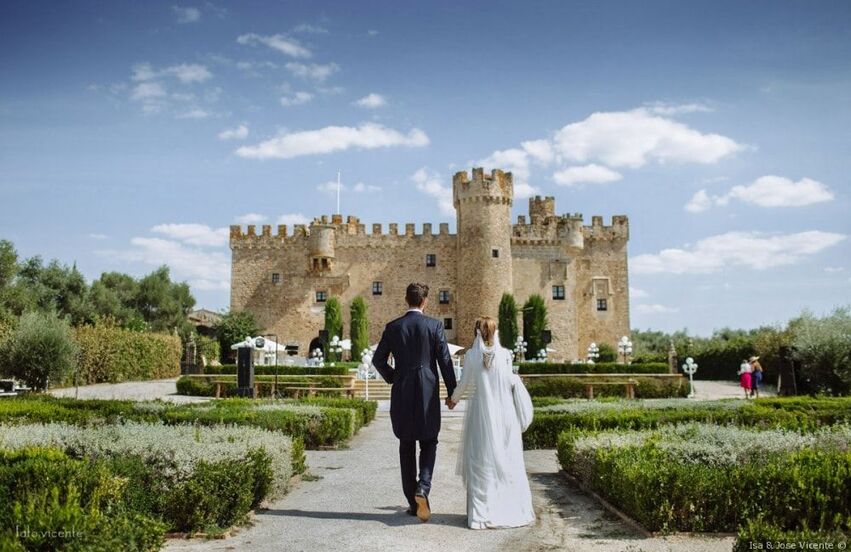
x=491 y=456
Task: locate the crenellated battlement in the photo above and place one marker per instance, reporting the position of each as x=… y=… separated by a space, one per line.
x=497 y=187
x=545 y=227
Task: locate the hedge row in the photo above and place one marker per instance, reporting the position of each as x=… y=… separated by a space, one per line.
x=341 y=369
x=144 y=479
x=791 y=413
x=204 y=387
x=597 y=368
x=313 y=424
x=575 y=387
x=759 y=535
x=113 y=355
x=714 y=479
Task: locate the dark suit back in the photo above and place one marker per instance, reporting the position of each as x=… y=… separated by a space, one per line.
x=418 y=345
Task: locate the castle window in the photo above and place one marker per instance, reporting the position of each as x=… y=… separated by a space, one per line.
x=558 y=293
x=443 y=296
x=495 y=253
x=431 y=259
x=321 y=296
x=602 y=305
x=377 y=288
x=447 y=323
x=276 y=278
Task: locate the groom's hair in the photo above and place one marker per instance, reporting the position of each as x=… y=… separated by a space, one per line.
x=416 y=294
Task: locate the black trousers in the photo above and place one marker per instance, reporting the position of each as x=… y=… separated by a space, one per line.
x=408 y=462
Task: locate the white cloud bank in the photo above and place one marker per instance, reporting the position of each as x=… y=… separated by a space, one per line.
x=194 y=234
x=238 y=133
x=372 y=101
x=431 y=183
x=736 y=250
x=654 y=308
x=332 y=138
x=314 y=71
x=281 y=43
x=591 y=174
x=766 y=191
x=297 y=98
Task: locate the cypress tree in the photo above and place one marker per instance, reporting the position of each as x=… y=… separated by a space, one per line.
x=534 y=323
x=507 y=321
x=360 y=327
x=333 y=323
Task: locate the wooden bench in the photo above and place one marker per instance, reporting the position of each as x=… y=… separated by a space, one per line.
x=630 y=387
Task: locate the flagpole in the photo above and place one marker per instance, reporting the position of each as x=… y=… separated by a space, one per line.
x=338 y=192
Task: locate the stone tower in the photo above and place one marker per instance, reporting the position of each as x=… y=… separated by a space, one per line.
x=484 y=263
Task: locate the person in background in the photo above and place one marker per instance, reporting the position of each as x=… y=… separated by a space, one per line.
x=745 y=371
x=756 y=376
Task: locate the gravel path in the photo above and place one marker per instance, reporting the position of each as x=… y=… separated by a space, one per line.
x=132 y=390
x=356 y=504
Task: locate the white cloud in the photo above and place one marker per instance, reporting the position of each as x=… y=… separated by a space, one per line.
x=285 y=45
x=186 y=73
x=430 y=183
x=736 y=250
x=238 y=133
x=146 y=91
x=360 y=187
x=332 y=138
x=313 y=71
x=293 y=219
x=98 y=236
x=205 y=269
x=767 y=191
x=194 y=234
x=654 y=309
x=669 y=110
x=330 y=188
x=310 y=29
x=194 y=113
x=297 y=98
x=635 y=293
x=634 y=138
x=186 y=15
x=371 y=101
x=699 y=202
x=250 y=218
x=592 y=174
x=516 y=161
x=372 y=32
x=539 y=150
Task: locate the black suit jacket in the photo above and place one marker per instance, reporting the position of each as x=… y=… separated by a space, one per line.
x=418 y=345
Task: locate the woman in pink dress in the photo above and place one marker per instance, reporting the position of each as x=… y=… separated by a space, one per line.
x=745 y=371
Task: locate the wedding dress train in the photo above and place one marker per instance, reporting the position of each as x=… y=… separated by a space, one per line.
x=490 y=459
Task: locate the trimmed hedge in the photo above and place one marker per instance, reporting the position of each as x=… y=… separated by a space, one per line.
x=598 y=368
x=792 y=413
x=43 y=491
x=341 y=369
x=573 y=387
x=203 y=387
x=314 y=423
x=714 y=479
x=113 y=355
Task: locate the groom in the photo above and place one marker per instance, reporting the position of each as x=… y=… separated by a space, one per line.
x=418 y=345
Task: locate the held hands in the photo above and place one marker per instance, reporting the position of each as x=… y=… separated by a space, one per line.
x=450 y=404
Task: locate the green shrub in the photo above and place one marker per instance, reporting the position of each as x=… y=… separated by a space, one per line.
x=340 y=369
x=113 y=355
x=596 y=368
x=41 y=350
x=759 y=535
x=333 y=324
x=823 y=346
x=793 y=413
x=607 y=353
x=234 y=327
x=208 y=348
x=534 y=324
x=572 y=387
x=195 y=387
x=359 y=327
x=710 y=478
x=507 y=318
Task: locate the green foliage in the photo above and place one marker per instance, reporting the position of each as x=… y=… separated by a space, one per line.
x=507 y=320
x=760 y=535
x=360 y=327
x=534 y=324
x=111 y=354
x=339 y=369
x=234 y=327
x=823 y=346
x=40 y=350
x=607 y=353
x=596 y=368
x=333 y=324
x=164 y=304
x=206 y=348
x=675 y=480
x=788 y=413
x=647 y=387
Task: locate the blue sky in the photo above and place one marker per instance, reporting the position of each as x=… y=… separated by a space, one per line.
x=133 y=133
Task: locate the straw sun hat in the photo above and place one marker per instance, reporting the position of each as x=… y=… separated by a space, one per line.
x=753 y=358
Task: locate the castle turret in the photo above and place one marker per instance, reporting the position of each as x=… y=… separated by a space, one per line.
x=483 y=210
x=322 y=242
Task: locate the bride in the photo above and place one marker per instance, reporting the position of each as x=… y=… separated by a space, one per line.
x=491 y=455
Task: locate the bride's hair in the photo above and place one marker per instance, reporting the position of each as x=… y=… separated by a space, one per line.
x=487 y=327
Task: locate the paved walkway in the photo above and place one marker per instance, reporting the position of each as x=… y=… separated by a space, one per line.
x=356 y=504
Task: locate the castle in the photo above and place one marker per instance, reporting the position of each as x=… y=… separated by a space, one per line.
x=580 y=270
